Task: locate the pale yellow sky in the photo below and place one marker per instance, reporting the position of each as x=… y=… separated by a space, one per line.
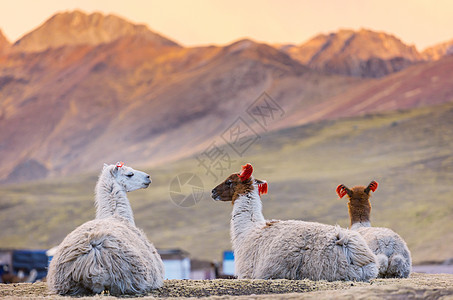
x=199 y=22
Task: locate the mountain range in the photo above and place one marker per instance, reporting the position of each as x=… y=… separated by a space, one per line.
x=438 y=51
x=362 y=53
x=75 y=28
x=82 y=89
x=4 y=43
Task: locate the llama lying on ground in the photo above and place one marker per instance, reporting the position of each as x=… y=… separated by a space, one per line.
x=108 y=253
x=393 y=255
x=289 y=249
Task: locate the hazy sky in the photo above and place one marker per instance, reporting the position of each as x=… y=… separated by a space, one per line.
x=198 y=22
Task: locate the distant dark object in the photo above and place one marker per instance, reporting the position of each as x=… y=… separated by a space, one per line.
x=449 y=50
x=10 y=277
x=218 y=275
x=29 y=260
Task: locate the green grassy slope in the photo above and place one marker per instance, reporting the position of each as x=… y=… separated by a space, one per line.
x=409 y=153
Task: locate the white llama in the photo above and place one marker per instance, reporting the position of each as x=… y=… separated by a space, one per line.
x=109 y=253
x=289 y=249
x=393 y=255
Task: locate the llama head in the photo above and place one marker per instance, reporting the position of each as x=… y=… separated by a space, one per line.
x=359 y=201
x=127 y=177
x=238 y=184
x=358 y=193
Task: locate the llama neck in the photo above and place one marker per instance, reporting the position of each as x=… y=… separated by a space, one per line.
x=111 y=199
x=360 y=225
x=247 y=214
x=359 y=215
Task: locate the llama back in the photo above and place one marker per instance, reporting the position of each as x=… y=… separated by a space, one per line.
x=103 y=254
x=297 y=249
x=393 y=254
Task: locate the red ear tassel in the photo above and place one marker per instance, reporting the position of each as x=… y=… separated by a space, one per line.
x=341 y=191
x=262 y=188
x=119 y=164
x=246 y=172
x=373 y=185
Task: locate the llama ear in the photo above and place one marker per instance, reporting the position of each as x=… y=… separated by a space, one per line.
x=114 y=171
x=342 y=190
x=371 y=187
x=246 y=172
x=105 y=166
x=118 y=165
x=262 y=187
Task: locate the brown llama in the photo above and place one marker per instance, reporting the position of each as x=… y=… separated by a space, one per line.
x=393 y=255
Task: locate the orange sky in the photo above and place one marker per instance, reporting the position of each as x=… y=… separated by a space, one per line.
x=194 y=22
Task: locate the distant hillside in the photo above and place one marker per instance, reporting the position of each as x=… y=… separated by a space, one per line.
x=362 y=53
x=4 y=43
x=82 y=90
x=67 y=109
x=409 y=153
x=74 y=28
x=424 y=84
x=438 y=51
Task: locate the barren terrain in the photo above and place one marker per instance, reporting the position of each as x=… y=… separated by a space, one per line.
x=418 y=286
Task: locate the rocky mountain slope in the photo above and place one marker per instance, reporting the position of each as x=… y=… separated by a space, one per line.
x=4 y=43
x=84 y=89
x=362 y=53
x=76 y=28
x=438 y=51
x=424 y=84
x=66 y=109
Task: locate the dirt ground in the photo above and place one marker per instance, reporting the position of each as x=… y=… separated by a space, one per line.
x=418 y=286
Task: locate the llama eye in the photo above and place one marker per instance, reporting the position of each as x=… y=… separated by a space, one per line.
x=228 y=182
x=130 y=175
